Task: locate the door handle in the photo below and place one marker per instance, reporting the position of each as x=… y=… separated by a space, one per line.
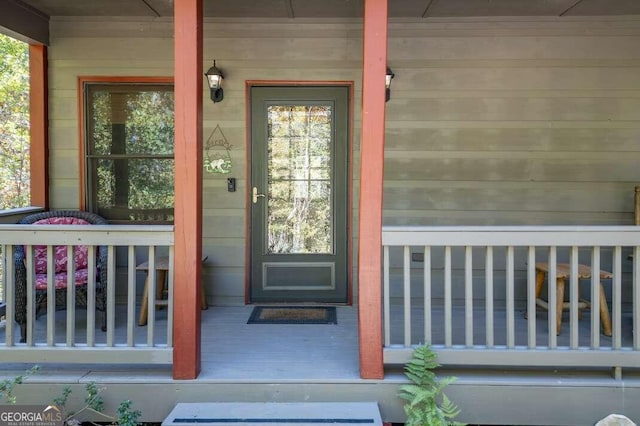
x=255 y=195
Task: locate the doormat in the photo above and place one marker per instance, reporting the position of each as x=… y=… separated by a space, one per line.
x=293 y=315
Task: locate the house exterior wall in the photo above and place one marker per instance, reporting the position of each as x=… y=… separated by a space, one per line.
x=513 y=121
x=244 y=50
x=491 y=121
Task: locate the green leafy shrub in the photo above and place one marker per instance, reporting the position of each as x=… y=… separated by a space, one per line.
x=93 y=402
x=7 y=385
x=426 y=402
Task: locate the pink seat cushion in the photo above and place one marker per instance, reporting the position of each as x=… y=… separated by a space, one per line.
x=60 y=252
x=61 y=279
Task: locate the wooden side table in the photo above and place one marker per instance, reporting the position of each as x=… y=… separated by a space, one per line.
x=162 y=267
x=562 y=273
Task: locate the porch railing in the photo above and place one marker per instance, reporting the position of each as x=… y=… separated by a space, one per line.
x=75 y=336
x=470 y=293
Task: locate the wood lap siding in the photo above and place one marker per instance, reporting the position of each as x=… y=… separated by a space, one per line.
x=504 y=121
x=530 y=122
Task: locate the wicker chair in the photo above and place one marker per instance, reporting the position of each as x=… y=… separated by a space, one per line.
x=61 y=290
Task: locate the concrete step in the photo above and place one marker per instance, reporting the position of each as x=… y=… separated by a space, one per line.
x=274 y=413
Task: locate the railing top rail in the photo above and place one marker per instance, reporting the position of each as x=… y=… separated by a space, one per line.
x=20 y=211
x=511 y=235
x=13 y=215
x=87 y=234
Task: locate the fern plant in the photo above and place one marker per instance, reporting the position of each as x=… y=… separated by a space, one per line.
x=426 y=402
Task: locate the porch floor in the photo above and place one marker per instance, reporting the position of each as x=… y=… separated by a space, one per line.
x=500 y=321
x=299 y=363
x=234 y=351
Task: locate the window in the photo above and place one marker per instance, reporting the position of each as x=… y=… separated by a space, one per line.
x=129 y=138
x=14 y=123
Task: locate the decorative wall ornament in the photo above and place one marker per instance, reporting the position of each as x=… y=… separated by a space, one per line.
x=217 y=154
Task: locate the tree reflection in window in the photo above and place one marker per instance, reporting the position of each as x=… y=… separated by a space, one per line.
x=130 y=139
x=299 y=169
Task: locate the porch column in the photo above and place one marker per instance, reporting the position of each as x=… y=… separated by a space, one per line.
x=188 y=187
x=39 y=126
x=371 y=180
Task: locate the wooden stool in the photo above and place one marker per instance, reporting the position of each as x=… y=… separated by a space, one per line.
x=162 y=266
x=562 y=273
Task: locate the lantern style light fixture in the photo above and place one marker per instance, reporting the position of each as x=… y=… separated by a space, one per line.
x=214 y=78
x=387 y=84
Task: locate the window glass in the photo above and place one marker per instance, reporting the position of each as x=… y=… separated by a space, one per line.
x=130 y=138
x=14 y=124
x=299 y=171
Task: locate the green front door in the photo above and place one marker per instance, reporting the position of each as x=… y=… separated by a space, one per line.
x=299 y=194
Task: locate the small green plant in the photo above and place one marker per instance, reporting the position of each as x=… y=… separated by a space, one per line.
x=7 y=385
x=93 y=402
x=427 y=405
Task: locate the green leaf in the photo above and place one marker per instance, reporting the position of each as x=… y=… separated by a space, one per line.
x=93 y=398
x=7 y=386
x=127 y=416
x=424 y=392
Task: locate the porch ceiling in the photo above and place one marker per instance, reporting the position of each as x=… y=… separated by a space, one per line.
x=340 y=8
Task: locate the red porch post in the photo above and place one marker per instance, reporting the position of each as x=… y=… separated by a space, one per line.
x=371 y=180
x=188 y=187
x=39 y=126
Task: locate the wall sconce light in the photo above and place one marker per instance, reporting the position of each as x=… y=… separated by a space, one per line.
x=214 y=78
x=387 y=84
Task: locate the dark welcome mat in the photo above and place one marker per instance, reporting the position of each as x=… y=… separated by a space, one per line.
x=293 y=315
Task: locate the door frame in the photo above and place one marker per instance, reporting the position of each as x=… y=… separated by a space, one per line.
x=350 y=234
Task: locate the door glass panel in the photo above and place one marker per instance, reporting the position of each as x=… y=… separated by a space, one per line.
x=299 y=187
